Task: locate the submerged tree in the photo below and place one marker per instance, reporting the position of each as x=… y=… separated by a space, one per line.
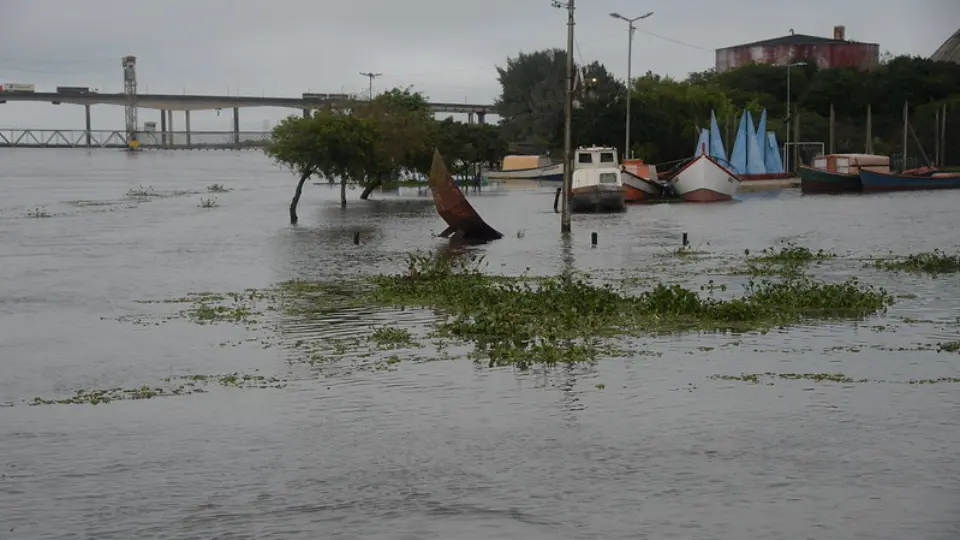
x=329 y=143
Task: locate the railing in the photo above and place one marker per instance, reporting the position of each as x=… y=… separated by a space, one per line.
x=172 y=140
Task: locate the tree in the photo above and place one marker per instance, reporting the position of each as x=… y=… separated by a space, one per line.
x=329 y=143
x=531 y=102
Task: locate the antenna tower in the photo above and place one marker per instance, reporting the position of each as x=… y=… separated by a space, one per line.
x=130 y=89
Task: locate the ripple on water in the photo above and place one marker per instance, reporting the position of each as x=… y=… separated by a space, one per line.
x=453 y=449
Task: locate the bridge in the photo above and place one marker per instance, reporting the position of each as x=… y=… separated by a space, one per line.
x=186 y=103
x=176 y=140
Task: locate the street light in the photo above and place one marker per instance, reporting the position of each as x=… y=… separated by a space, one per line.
x=630 y=29
x=790 y=116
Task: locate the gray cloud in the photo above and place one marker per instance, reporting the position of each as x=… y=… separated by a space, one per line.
x=445 y=48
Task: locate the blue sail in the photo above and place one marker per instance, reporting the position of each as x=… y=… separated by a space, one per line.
x=738 y=156
x=762 y=137
x=754 y=160
x=703 y=142
x=773 y=162
x=717 y=150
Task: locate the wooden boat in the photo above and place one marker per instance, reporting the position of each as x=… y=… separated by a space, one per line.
x=640 y=181
x=597 y=184
x=705 y=179
x=527 y=168
x=839 y=173
x=908 y=181
x=462 y=220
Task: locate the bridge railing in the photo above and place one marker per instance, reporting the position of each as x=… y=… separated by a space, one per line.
x=174 y=140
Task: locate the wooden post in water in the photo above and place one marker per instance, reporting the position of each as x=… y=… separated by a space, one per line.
x=833 y=119
x=869 y=145
x=906 y=129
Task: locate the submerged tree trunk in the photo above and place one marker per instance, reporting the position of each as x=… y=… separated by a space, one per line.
x=296 y=197
x=377 y=182
x=343 y=192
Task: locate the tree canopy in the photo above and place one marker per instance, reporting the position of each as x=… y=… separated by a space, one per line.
x=666 y=113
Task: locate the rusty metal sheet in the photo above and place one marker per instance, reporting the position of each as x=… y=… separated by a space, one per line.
x=462 y=220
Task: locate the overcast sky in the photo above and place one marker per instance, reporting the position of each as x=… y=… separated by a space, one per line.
x=447 y=49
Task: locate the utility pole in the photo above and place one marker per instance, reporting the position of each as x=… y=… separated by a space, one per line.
x=786 y=145
x=627 y=154
x=371 y=75
x=568 y=125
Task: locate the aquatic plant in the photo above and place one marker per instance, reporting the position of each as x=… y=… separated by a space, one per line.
x=217 y=188
x=935 y=262
x=769 y=377
x=40 y=212
x=208 y=203
x=142 y=192
x=789 y=253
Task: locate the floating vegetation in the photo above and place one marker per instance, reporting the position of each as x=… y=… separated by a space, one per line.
x=173 y=386
x=952 y=346
x=142 y=192
x=393 y=338
x=208 y=203
x=686 y=251
x=935 y=262
x=789 y=253
x=769 y=377
x=216 y=188
x=40 y=212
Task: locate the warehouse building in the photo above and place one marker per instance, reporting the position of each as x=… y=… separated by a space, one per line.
x=826 y=52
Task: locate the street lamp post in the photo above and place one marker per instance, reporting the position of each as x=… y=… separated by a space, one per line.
x=786 y=145
x=630 y=29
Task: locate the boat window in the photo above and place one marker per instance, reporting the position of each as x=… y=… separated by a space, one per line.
x=608 y=178
x=606 y=157
x=585 y=157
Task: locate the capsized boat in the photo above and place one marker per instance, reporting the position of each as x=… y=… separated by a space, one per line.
x=597 y=184
x=839 y=173
x=640 y=181
x=705 y=179
x=909 y=180
x=462 y=220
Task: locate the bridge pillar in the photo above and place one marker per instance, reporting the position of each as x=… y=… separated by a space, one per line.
x=481 y=117
x=470 y=118
x=173 y=140
x=236 y=126
x=163 y=127
x=87 y=114
x=186 y=124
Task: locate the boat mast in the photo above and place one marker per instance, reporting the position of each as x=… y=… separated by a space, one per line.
x=568 y=127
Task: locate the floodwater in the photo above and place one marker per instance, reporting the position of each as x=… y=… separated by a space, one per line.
x=450 y=449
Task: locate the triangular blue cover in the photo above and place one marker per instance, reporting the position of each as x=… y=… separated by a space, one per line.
x=754 y=162
x=762 y=136
x=773 y=162
x=738 y=156
x=716 y=142
x=702 y=143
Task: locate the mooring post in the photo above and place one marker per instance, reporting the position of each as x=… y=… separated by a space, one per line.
x=556 y=200
x=593 y=239
x=685 y=242
x=356 y=238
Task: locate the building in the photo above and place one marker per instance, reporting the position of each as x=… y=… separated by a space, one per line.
x=826 y=52
x=950 y=50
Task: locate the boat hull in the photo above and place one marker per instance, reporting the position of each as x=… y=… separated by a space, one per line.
x=638 y=190
x=820 y=181
x=705 y=180
x=598 y=198
x=876 y=181
x=552 y=173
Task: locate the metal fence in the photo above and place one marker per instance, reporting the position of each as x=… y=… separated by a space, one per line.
x=175 y=140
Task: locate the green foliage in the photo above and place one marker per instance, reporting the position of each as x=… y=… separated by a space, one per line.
x=666 y=113
x=935 y=262
x=331 y=143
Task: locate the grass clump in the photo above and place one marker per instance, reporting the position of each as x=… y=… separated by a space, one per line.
x=564 y=318
x=790 y=253
x=216 y=188
x=208 y=203
x=142 y=192
x=393 y=338
x=934 y=262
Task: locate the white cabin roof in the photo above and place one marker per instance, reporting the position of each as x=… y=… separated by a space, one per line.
x=596 y=156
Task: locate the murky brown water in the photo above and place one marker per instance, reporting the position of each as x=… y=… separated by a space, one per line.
x=448 y=449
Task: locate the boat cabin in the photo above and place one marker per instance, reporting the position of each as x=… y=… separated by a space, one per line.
x=519 y=163
x=852 y=163
x=596 y=165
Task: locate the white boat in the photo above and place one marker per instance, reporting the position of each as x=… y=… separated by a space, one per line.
x=597 y=185
x=705 y=179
